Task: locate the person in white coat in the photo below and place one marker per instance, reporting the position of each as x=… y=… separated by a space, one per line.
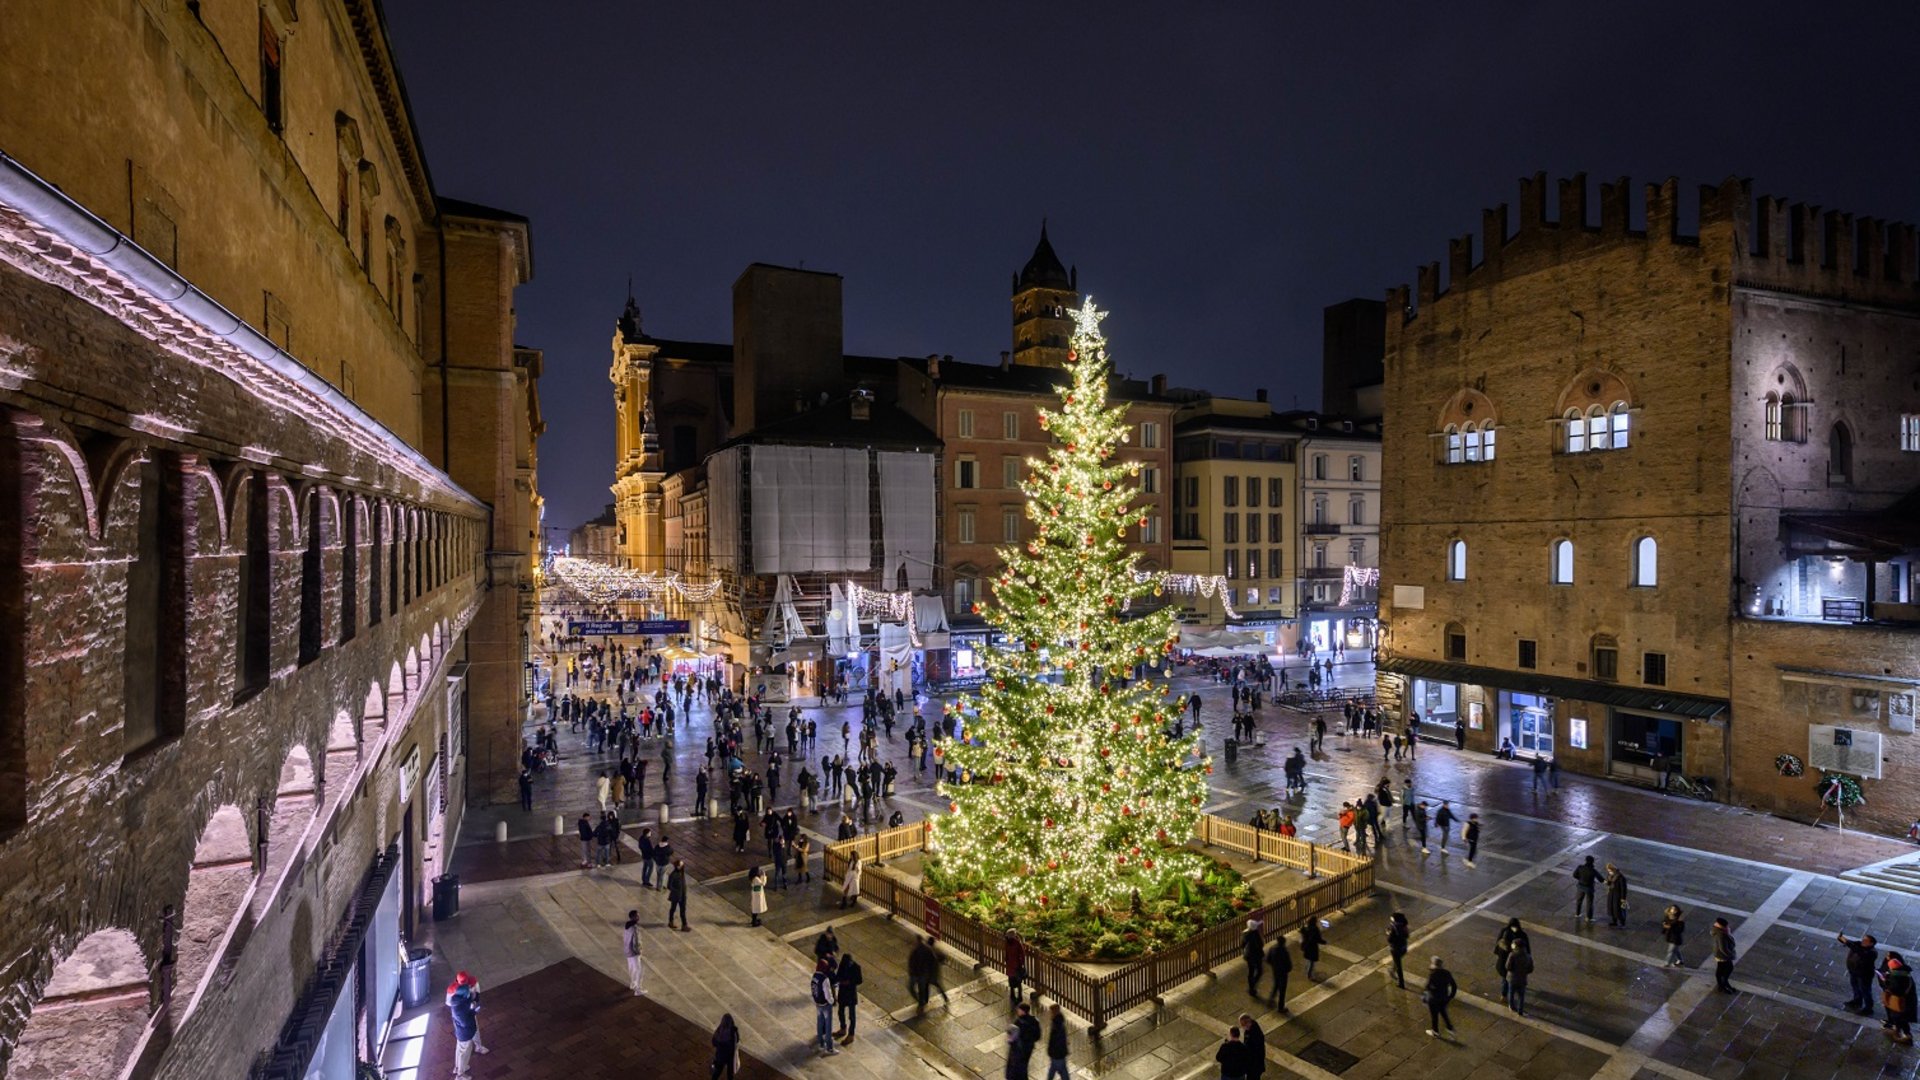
x=604 y=792
x=850 y=883
x=756 y=894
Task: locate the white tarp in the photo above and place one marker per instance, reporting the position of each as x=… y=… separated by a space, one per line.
x=896 y=658
x=811 y=510
x=930 y=614
x=843 y=629
x=907 y=525
x=723 y=508
x=783 y=623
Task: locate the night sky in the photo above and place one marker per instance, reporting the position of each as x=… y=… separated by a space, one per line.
x=1218 y=172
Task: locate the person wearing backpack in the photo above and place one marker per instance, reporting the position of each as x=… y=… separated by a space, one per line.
x=1441 y=989
x=1897 y=994
x=821 y=989
x=1586 y=878
x=1519 y=966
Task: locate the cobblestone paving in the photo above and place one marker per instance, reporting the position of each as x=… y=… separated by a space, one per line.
x=1602 y=1002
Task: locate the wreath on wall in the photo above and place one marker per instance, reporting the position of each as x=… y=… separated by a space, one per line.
x=1788 y=765
x=1841 y=789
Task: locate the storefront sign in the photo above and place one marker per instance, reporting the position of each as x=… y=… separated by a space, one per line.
x=409 y=774
x=1476 y=715
x=932 y=919
x=629 y=627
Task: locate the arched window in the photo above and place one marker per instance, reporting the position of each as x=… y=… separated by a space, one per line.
x=1597 y=428
x=1453 y=445
x=1562 y=551
x=1456 y=643
x=1486 y=441
x=1776 y=426
x=1457 y=560
x=1472 y=438
x=1466 y=422
x=1840 y=456
x=1617 y=421
x=1595 y=408
x=1646 y=562
x=1576 y=432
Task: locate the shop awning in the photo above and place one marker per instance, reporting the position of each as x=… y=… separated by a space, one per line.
x=1528 y=682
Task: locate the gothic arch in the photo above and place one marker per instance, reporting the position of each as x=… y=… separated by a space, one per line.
x=1467 y=406
x=88 y=1018
x=58 y=443
x=1594 y=386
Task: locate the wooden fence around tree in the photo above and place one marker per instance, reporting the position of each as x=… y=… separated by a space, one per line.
x=1338 y=879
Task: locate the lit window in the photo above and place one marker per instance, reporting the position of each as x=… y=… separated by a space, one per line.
x=1562 y=562
x=1646 y=562
x=965 y=423
x=1273 y=594
x=1596 y=428
x=1910 y=432
x=1232 y=562
x=1457 y=561
x=1253 y=597
x=1471 y=437
x=1454 y=454
x=1617 y=419
x=1776 y=423
x=1576 y=432
x=1486 y=442
x=1356 y=468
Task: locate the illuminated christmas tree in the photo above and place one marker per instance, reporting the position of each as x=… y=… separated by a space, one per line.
x=1071 y=788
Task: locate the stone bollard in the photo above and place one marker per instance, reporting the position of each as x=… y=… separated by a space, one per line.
x=500 y=831
x=713 y=807
x=559 y=825
x=663 y=812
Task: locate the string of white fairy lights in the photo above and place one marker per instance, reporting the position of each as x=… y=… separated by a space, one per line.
x=603 y=583
x=1355 y=579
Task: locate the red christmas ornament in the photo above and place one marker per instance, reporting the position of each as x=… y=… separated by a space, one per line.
x=1049 y=710
x=1105 y=752
x=1122 y=860
x=1136 y=850
x=976 y=609
x=1105 y=788
x=1049 y=823
x=1043 y=900
x=1126 y=811
x=953 y=808
x=1149 y=864
x=1107 y=485
x=1209 y=770
x=1053 y=864
x=1068 y=665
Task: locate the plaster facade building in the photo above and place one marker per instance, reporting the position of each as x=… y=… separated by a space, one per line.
x=264 y=439
x=1236 y=494
x=1339 y=538
x=1650 y=496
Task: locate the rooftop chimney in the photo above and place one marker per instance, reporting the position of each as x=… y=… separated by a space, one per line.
x=863 y=404
x=1006 y=360
x=1158 y=385
x=1260 y=395
x=933 y=366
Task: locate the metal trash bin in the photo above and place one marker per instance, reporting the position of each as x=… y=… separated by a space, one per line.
x=446 y=897
x=416 y=981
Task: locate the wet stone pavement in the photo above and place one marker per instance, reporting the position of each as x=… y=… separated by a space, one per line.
x=1602 y=1001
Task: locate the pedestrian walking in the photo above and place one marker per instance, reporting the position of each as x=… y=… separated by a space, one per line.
x=630 y=946
x=1472 y=836
x=1519 y=968
x=645 y=843
x=1280 y=962
x=1616 y=896
x=802 y=870
x=1586 y=879
x=756 y=894
x=923 y=973
x=603 y=790
x=1443 y=820
x=1022 y=1036
x=827 y=944
x=1420 y=827
x=463 y=1006
x=1539 y=772
x=726 y=1050
x=850 y=881
x=1254 y=1038
x=1407 y=802
x=1397 y=935
x=1056 y=1043
x=1232 y=1056
x=526 y=789
x=1862 y=954
x=1897 y=995
x=1254 y=950
x=1724 y=954
x=821 y=990
x=1310 y=942
x=1014 y=951
x=1673 y=930
x=677 y=894
x=585 y=828
x=846 y=984
x=1439 y=991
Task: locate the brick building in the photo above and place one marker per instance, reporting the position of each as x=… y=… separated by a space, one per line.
x=266 y=483
x=1649 y=495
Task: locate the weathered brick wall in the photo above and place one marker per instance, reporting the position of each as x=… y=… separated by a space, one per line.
x=1548 y=305
x=1771 y=720
x=109 y=838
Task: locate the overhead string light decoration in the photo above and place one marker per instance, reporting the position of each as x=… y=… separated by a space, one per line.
x=604 y=583
x=1205 y=585
x=1356 y=578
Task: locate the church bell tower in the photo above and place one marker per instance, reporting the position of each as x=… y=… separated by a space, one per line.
x=1044 y=294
